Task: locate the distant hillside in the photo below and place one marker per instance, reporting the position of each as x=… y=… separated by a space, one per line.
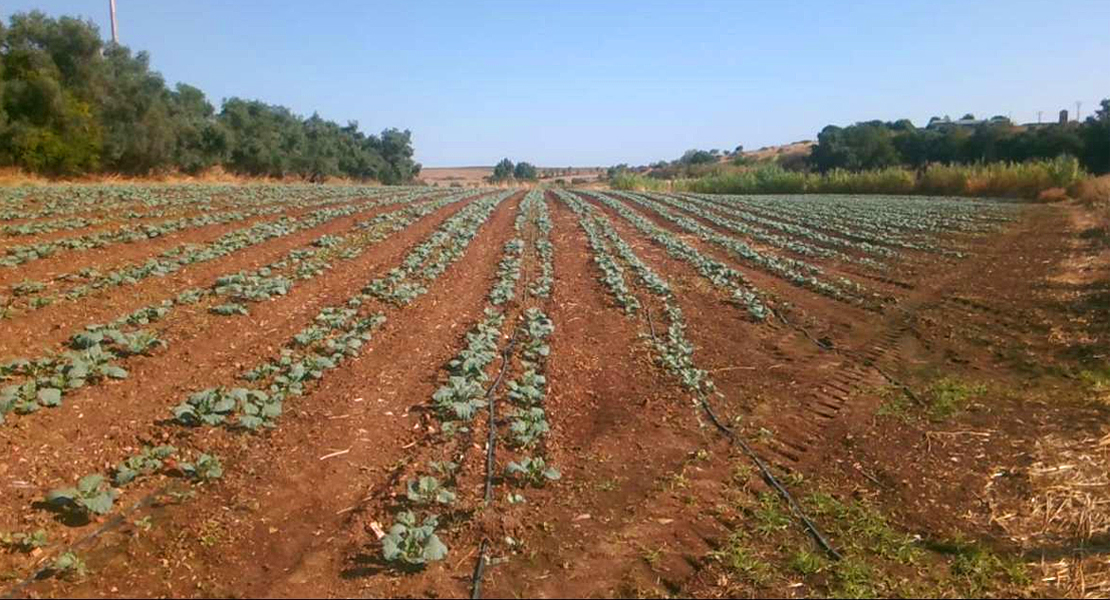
x=768 y=153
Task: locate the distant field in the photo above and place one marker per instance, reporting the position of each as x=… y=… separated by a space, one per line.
x=471 y=176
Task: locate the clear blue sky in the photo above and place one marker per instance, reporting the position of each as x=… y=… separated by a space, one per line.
x=596 y=83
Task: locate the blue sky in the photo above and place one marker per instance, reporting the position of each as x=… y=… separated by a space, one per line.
x=597 y=83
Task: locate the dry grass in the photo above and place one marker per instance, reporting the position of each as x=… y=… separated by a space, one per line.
x=1065 y=516
x=1093 y=190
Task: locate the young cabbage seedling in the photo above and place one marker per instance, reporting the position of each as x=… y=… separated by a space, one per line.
x=412 y=544
x=428 y=490
x=206 y=468
x=69 y=565
x=533 y=470
x=150 y=460
x=90 y=496
x=24 y=542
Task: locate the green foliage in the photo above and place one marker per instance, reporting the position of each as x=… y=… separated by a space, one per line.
x=525 y=171
x=978 y=570
x=532 y=471
x=627 y=180
x=149 y=461
x=91 y=496
x=503 y=170
x=205 y=468
x=71 y=104
x=742 y=561
x=877 y=145
x=429 y=490
x=1017 y=180
x=216 y=406
x=413 y=544
x=68 y=565
x=949 y=396
x=24 y=542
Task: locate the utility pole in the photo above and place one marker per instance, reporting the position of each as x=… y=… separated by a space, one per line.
x=115 y=31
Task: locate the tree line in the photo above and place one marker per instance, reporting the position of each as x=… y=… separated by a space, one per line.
x=71 y=104
x=507 y=171
x=872 y=145
x=878 y=144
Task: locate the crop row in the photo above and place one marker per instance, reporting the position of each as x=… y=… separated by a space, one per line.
x=672 y=351
x=31 y=295
x=134 y=201
x=808 y=248
x=797 y=272
x=127 y=234
x=413 y=539
x=873 y=238
x=717 y=273
x=258 y=405
x=811 y=234
x=95 y=352
x=22 y=254
x=424 y=263
x=534 y=211
x=887 y=217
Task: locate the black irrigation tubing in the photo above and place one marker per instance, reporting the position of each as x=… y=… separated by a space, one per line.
x=768 y=476
x=506 y=355
x=803 y=330
x=480 y=568
x=109 y=525
x=867 y=362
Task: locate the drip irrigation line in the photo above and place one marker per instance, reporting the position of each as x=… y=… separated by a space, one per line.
x=810 y=527
x=905 y=388
x=804 y=331
x=109 y=525
x=770 y=478
x=479 y=570
x=867 y=362
x=506 y=355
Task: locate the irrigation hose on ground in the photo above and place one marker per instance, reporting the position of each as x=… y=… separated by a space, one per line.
x=480 y=567
x=768 y=476
x=109 y=525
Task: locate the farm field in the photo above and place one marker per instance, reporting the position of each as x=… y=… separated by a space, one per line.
x=307 y=391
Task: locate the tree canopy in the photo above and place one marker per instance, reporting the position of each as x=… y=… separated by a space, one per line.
x=875 y=144
x=72 y=104
x=525 y=171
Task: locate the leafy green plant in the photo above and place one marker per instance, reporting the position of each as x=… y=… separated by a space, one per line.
x=24 y=542
x=532 y=470
x=528 y=390
x=413 y=544
x=150 y=460
x=205 y=468
x=69 y=565
x=459 y=398
x=91 y=496
x=231 y=308
x=214 y=406
x=528 y=425
x=429 y=490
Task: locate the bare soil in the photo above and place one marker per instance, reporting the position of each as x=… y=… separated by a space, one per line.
x=952 y=439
